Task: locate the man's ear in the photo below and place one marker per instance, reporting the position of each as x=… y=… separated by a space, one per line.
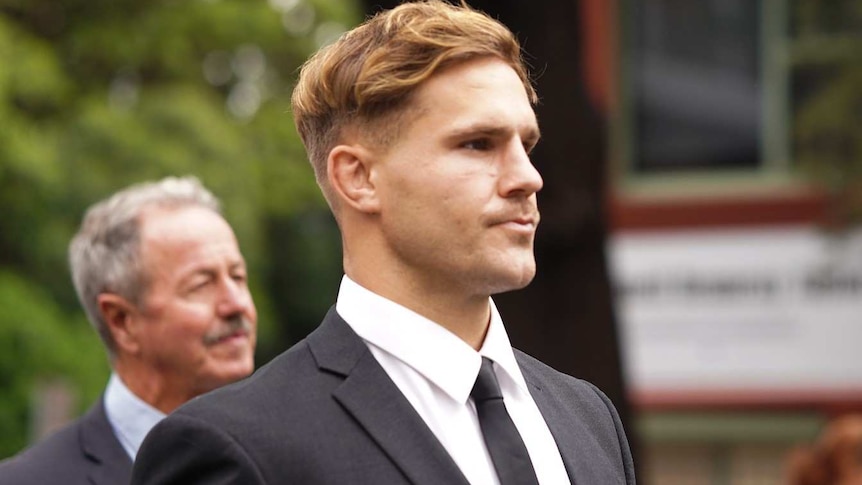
x=350 y=171
x=118 y=313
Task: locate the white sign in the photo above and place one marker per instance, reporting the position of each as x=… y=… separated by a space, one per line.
x=750 y=314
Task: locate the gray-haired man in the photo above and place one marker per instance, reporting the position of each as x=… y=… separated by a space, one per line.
x=159 y=273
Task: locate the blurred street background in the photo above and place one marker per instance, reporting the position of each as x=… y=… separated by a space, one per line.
x=699 y=257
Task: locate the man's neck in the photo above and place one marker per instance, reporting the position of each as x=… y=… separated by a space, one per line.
x=151 y=390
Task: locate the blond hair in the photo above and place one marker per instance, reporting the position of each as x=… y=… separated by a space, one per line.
x=367 y=76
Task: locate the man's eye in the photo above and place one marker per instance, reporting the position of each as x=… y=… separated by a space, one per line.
x=197 y=287
x=479 y=144
x=198 y=284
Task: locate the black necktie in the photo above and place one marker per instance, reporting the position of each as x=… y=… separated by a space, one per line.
x=501 y=437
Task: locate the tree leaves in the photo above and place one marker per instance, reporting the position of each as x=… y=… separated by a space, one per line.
x=96 y=95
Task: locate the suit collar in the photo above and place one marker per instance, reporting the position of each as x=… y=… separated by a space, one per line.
x=575 y=440
x=99 y=444
x=553 y=416
x=334 y=345
x=370 y=396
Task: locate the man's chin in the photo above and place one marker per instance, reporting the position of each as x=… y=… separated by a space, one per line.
x=234 y=372
x=511 y=281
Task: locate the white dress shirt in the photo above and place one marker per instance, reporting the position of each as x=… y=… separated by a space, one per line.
x=131 y=418
x=436 y=370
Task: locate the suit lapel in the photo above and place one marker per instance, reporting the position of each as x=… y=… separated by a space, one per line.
x=370 y=396
x=575 y=442
x=563 y=435
x=110 y=463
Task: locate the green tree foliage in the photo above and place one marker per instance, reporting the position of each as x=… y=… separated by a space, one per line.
x=98 y=94
x=39 y=343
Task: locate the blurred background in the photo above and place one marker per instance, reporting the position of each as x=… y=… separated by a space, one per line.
x=699 y=255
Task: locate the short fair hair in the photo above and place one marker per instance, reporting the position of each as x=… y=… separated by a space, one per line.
x=105 y=255
x=367 y=76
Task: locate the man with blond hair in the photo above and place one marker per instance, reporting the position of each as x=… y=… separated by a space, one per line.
x=161 y=278
x=419 y=124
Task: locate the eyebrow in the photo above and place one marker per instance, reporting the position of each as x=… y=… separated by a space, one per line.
x=210 y=270
x=495 y=131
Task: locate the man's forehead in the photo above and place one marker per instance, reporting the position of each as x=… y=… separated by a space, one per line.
x=170 y=218
x=174 y=230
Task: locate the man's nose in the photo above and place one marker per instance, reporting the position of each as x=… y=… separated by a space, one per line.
x=519 y=175
x=234 y=297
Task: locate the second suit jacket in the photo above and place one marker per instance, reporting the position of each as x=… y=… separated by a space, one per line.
x=84 y=453
x=325 y=412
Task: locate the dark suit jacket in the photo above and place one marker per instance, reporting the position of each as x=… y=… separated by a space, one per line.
x=86 y=452
x=325 y=412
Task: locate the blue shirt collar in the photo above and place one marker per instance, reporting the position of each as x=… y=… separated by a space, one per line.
x=130 y=417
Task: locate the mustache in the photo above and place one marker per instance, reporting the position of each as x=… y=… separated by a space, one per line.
x=233 y=325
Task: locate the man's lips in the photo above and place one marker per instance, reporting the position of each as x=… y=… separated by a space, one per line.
x=518 y=221
x=527 y=221
x=228 y=336
x=238 y=333
x=520 y=227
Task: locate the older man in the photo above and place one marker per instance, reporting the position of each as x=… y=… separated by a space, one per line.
x=160 y=275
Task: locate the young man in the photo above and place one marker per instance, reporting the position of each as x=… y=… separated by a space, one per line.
x=419 y=125
x=160 y=275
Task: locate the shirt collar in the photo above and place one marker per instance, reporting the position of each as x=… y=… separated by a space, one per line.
x=130 y=417
x=430 y=349
x=498 y=348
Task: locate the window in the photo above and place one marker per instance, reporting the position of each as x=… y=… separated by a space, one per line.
x=696 y=85
x=736 y=106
